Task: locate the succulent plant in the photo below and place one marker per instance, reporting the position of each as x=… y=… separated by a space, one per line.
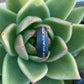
x=22 y=60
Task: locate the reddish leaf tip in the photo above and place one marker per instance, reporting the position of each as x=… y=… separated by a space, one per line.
x=33 y=48
x=3 y=34
x=22 y=46
x=30 y=20
x=48 y=28
x=33 y=82
x=71 y=24
x=48 y=40
x=66 y=49
x=45 y=58
x=79 y=78
x=31 y=34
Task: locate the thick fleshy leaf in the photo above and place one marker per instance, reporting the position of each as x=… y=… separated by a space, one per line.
x=27 y=34
x=64 y=68
x=34 y=71
x=47 y=80
x=2 y=55
x=33 y=8
x=12 y=73
x=58 y=49
x=60 y=9
x=80 y=60
x=76 y=15
x=27 y=22
x=60 y=27
x=6 y=17
x=31 y=49
x=39 y=59
x=76 y=42
x=15 y=5
x=20 y=47
x=8 y=37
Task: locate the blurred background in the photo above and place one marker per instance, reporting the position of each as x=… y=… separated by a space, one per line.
x=2 y=1
x=5 y=0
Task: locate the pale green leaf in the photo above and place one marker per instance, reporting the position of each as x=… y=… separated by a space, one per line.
x=6 y=17
x=60 y=9
x=76 y=42
x=20 y=47
x=58 y=49
x=15 y=5
x=47 y=80
x=64 y=68
x=12 y=73
x=80 y=60
x=33 y=8
x=2 y=55
x=34 y=71
x=60 y=27
x=8 y=37
x=76 y=15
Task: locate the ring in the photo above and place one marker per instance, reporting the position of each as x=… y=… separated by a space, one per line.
x=42 y=42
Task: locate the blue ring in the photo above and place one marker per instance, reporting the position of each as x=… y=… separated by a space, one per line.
x=42 y=42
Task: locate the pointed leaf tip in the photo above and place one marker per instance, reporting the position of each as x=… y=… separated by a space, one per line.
x=60 y=27
x=8 y=37
x=64 y=68
x=20 y=47
x=34 y=71
x=7 y=17
x=32 y=8
x=58 y=49
x=60 y=9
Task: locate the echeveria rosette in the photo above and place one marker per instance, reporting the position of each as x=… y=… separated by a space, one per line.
x=18 y=33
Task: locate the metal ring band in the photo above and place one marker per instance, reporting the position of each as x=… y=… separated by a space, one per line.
x=42 y=42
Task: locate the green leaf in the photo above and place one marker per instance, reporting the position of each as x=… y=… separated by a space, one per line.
x=0 y=79
x=33 y=8
x=2 y=55
x=39 y=59
x=12 y=73
x=76 y=15
x=31 y=49
x=64 y=68
x=60 y=27
x=60 y=9
x=76 y=42
x=27 y=34
x=58 y=49
x=15 y=5
x=34 y=71
x=20 y=47
x=80 y=60
x=47 y=80
x=8 y=37
x=68 y=82
x=6 y=17
x=45 y=0
x=25 y=23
